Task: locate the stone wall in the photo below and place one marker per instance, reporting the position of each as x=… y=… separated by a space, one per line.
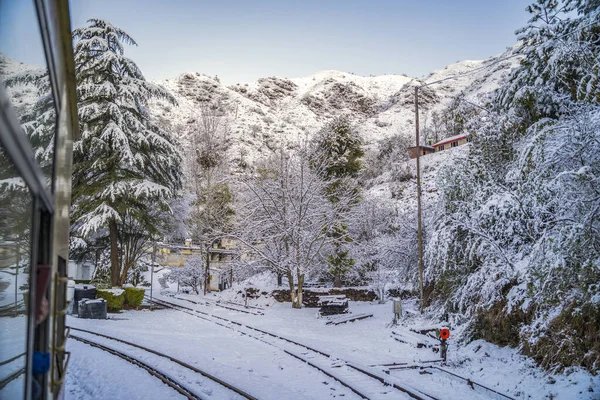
x=310 y=297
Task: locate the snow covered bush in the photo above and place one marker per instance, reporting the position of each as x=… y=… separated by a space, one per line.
x=191 y=274
x=134 y=297
x=516 y=246
x=115 y=298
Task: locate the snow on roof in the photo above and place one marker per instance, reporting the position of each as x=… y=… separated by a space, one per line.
x=423 y=146
x=450 y=139
x=114 y=291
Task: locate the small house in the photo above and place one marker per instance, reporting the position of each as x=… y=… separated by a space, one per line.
x=421 y=150
x=450 y=142
x=174 y=255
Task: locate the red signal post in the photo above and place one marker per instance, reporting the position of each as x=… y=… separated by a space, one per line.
x=444 y=335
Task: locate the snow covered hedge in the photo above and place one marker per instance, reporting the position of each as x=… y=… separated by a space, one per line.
x=114 y=298
x=134 y=297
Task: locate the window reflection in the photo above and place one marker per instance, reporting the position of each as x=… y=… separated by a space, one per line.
x=15 y=245
x=24 y=75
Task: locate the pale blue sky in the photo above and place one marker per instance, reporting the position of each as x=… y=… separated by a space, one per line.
x=242 y=40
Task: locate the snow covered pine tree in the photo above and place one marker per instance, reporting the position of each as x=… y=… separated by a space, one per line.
x=124 y=165
x=339 y=145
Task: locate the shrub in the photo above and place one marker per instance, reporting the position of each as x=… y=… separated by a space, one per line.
x=114 y=298
x=134 y=296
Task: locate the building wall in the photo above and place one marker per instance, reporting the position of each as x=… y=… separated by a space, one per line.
x=222 y=253
x=80 y=271
x=447 y=146
x=412 y=151
x=175 y=256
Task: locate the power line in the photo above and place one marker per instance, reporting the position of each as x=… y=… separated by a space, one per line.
x=473 y=104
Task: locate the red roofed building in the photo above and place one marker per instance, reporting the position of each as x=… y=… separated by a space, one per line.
x=450 y=142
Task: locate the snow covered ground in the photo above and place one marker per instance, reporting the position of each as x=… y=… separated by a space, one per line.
x=268 y=372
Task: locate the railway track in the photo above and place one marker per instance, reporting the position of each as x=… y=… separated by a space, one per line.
x=230 y=306
x=434 y=369
x=190 y=393
x=242 y=305
x=364 y=382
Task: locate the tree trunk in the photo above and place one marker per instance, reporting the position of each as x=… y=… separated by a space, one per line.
x=298 y=303
x=207 y=272
x=337 y=281
x=292 y=290
x=123 y=276
x=279 y=279
x=114 y=253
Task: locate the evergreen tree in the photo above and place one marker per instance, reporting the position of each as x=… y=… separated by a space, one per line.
x=339 y=146
x=38 y=120
x=560 y=44
x=125 y=166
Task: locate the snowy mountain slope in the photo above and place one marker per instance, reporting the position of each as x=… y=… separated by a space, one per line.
x=266 y=112
x=269 y=111
x=22 y=95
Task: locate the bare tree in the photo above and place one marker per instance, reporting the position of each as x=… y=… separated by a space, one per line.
x=437 y=127
x=287 y=217
x=191 y=274
x=209 y=178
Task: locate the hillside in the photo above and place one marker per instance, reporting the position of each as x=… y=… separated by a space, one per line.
x=274 y=109
x=23 y=94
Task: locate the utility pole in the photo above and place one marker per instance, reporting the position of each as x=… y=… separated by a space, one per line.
x=17 y=278
x=152 y=271
x=207 y=271
x=419 y=224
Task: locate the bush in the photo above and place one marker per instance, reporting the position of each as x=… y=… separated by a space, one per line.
x=134 y=296
x=114 y=298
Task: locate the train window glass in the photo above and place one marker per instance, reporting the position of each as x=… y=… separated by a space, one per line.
x=15 y=249
x=24 y=75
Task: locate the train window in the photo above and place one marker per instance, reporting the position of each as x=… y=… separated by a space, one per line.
x=28 y=114
x=15 y=249
x=24 y=75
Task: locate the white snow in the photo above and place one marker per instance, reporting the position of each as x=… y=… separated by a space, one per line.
x=115 y=291
x=269 y=373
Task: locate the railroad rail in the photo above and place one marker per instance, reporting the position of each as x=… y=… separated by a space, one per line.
x=176 y=385
x=239 y=308
x=243 y=305
x=348 y=376
x=476 y=386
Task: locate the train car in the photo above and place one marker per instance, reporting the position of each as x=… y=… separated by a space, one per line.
x=38 y=123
